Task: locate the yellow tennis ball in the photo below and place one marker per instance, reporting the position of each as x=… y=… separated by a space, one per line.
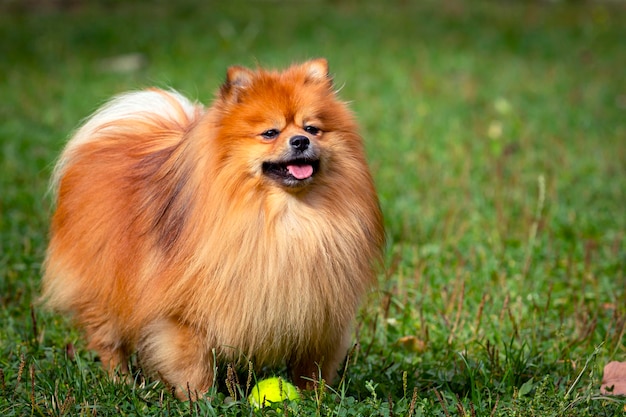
x=272 y=390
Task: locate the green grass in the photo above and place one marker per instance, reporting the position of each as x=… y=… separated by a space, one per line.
x=497 y=136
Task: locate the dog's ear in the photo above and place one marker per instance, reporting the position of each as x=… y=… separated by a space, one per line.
x=317 y=70
x=237 y=80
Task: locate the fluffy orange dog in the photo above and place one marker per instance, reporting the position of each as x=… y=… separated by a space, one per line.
x=247 y=229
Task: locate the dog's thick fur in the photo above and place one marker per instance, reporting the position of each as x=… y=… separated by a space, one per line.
x=169 y=239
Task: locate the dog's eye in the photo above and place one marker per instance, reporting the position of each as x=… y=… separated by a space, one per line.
x=270 y=134
x=312 y=130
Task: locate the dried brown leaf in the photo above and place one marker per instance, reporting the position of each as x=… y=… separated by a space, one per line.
x=614 y=380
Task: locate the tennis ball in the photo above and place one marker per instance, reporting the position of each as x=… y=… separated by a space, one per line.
x=272 y=390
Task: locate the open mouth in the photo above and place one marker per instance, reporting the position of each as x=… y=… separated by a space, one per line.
x=292 y=173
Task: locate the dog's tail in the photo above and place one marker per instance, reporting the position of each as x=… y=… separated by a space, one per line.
x=124 y=112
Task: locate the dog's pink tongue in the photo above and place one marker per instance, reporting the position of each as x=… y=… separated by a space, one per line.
x=301 y=172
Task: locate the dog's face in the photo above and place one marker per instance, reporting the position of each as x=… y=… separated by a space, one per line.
x=284 y=129
x=297 y=159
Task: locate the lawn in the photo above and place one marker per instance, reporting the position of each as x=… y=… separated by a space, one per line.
x=496 y=133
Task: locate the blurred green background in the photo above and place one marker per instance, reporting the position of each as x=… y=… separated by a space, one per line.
x=497 y=137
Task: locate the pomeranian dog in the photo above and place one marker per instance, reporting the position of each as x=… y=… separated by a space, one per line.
x=247 y=230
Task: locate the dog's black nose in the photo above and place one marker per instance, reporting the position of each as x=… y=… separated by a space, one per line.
x=299 y=143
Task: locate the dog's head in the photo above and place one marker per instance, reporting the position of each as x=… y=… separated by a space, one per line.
x=284 y=129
